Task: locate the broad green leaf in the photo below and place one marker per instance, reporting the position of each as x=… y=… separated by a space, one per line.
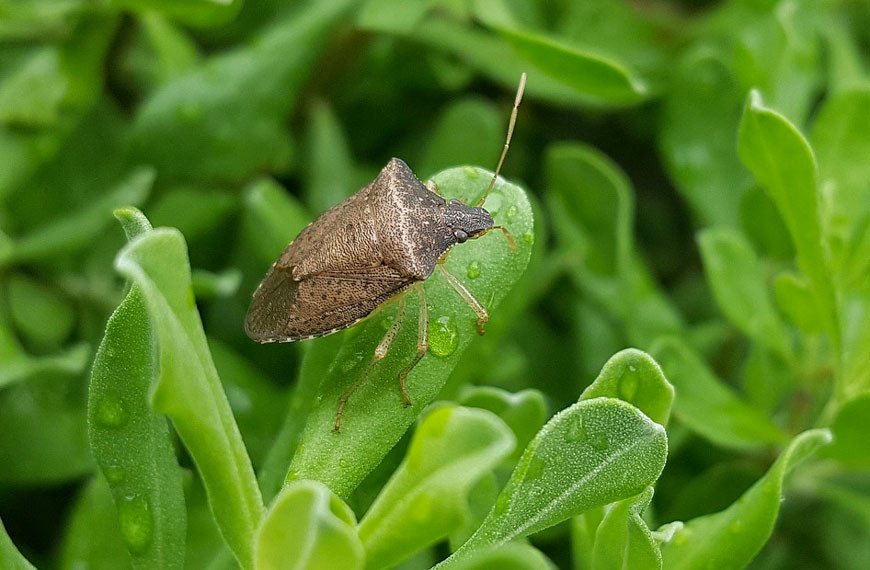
x=590 y=454
x=782 y=161
x=41 y=314
x=188 y=389
x=202 y=13
x=731 y=538
x=9 y=556
x=592 y=204
x=762 y=223
x=93 y=536
x=706 y=405
x=841 y=139
x=424 y=500
x=767 y=378
x=31 y=96
x=850 y=429
x=375 y=418
x=76 y=230
x=856 y=344
x=195 y=212
x=736 y=278
x=634 y=377
x=174 y=52
x=207 y=285
x=43 y=435
x=389 y=16
x=308 y=528
x=696 y=135
x=623 y=539
x=597 y=77
x=525 y=412
x=20 y=367
x=794 y=297
x=330 y=165
x=272 y=219
x=469 y=131
x=225 y=120
x=511 y=556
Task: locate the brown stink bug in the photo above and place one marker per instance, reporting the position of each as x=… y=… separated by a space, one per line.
x=368 y=249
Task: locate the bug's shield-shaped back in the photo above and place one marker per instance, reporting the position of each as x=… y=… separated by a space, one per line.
x=284 y=310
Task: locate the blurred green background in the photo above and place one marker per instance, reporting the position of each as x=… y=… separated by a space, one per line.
x=226 y=119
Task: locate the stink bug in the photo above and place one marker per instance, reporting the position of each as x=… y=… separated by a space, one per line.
x=363 y=252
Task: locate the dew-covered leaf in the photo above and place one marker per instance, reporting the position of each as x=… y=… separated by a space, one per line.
x=375 y=419
x=424 y=500
x=590 y=454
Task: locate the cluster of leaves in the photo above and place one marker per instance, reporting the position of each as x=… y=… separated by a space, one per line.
x=140 y=428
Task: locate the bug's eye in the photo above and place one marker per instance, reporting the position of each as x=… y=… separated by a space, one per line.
x=460 y=236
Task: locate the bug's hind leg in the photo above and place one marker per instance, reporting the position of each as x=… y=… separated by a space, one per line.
x=380 y=352
x=422 y=342
x=482 y=315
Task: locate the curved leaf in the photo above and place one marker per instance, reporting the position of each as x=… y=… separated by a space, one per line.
x=424 y=500
x=374 y=418
x=9 y=556
x=308 y=528
x=623 y=540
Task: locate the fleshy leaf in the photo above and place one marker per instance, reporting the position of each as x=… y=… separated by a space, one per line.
x=374 y=418
x=308 y=528
x=188 y=389
x=424 y=500
x=623 y=540
x=633 y=376
x=9 y=556
x=731 y=538
x=525 y=412
x=590 y=454
x=93 y=536
x=706 y=405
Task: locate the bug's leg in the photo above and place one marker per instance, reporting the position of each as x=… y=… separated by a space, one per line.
x=482 y=315
x=422 y=342
x=432 y=187
x=380 y=352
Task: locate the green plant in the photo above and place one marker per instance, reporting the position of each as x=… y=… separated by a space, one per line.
x=140 y=428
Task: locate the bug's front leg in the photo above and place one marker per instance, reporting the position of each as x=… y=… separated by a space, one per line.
x=480 y=311
x=422 y=342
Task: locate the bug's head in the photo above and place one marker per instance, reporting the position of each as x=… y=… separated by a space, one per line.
x=466 y=222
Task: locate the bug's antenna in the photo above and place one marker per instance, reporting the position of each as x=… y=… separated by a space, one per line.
x=507 y=142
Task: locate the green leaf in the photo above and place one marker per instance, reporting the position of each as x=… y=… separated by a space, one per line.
x=41 y=315
x=308 y=528
x=389 y=16
x=70 y=362
x=331 y=168
x=782 y=161
x=731 y=538
x=424 y=500
x=202 y=13
x=590 y=454
x=511 y=556
x=841 y=139
x=794 y=297
x=225 y=120
x=93 y=537
x=272 y=219
x=525 y=412
x=737 y=281
x=597 y=77
x=623 y=540
x=76 y=230
x=9 y=556
x=374 y=418
x=31 y=96
x=696 y=136
x=188 y=389
x=132 y=443
x=850 y=429
x=706 y=405
x=634 y=377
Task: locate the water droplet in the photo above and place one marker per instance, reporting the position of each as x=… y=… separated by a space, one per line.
x=632 y=367
x=443 y=336
x=473 y=270
x=110 y=411
x=470 y=172
x=535 y=470
x=137 y=526
x=114 y=474
x=343 y=463
x=502 y=504
x=292 y=475
x=628 y=386
x=511 y=212
x=493 y=204
x=600 y=441
x=528 y=237
x=576 y=430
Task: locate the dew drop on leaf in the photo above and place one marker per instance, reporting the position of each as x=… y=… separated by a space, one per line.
x=511 y=213
x=137 y=525
x=110 y=411
x=473 y=270
x=628 y=385
x=576 y=431
x=600 y=441
x=536 y=469
x=115 y=474
x=528 y=237
x=342 y=463
x=443 y=336
x=470 y=172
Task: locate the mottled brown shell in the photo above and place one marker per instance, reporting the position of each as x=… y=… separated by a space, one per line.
x=352 y=259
